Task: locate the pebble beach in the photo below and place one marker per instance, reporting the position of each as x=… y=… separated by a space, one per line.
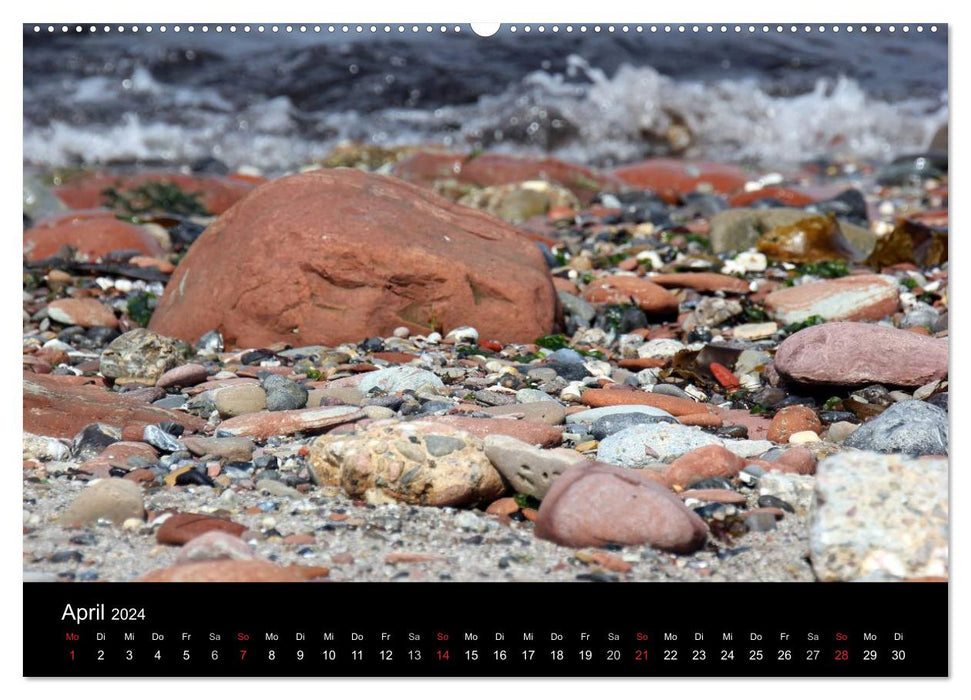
x=428 y=362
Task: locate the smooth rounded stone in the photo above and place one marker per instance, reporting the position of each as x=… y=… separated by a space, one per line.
x=116 y=500
x=803 y=436
x=791 y=420
x=214 y=546
x=796 y=489
x=912 y=427
x=608 y=425
x=795 y=460
x=533 y=396
x=231 y=449
x=577 y=307
x=599 y=504
x=93 y=439
x=542 y=374
x=179 y=528
x=641 y=445
x=626 y=289
x=346 y=395
x=44 y=449
x=592 y=415
x=852 y=354
x=775 y=502
x=463 y=335
x=300 y=274
x=674 y=405
x=265 y=424
x=570 y=371
x=879 y=515
x=550 y=412
x=277 y=488
x=158 y=438
x=567 y=356
x=139 y=356
x=660 y=349
x=693 y=468
x=240 y=399
x=86 y=312
x=838 y=432
x=396 y=462
x=283 y=394
x=394 y=380
x=225 y=571
x=529 y=470
x=853 y=298
x=378 y=412
x=183 y=376
x=671 y=390
x=921 y=316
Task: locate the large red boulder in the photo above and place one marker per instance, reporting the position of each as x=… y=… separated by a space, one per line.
x=336 y=256
x=487 y=169
x=93 y=234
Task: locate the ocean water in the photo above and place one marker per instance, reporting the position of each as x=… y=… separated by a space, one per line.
x=276 y=102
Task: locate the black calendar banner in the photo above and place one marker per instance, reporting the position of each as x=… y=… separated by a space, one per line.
x=408 y=629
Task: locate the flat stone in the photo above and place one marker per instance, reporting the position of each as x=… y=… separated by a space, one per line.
x=592 y=415
x=915 y=428
x=231 y=449
x=852 y=354
x=853 y=298
x=62 y=408
x=702 y=282
x=530 y=470
x=879 y=517
x=180 y=528
x=527 y=431
x=549 y=412
x=673 y=405
x=116 y=500
x=598 y=504
x=641 y=445
x=264 y=424
x=84 y=312
x=608 y=425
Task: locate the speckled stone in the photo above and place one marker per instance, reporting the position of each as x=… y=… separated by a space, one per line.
x=879 y=516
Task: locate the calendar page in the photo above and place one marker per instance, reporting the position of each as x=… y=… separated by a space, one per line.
x=485 y=350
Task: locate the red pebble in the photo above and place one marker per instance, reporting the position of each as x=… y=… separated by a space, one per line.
x=724 y=376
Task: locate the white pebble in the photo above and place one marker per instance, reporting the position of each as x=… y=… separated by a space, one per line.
x=802 y=437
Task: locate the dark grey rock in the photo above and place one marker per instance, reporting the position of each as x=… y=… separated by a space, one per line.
x=93 y=439
x=283 y=394
x=912 y=427
x=670 y=390
x=608 y=425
